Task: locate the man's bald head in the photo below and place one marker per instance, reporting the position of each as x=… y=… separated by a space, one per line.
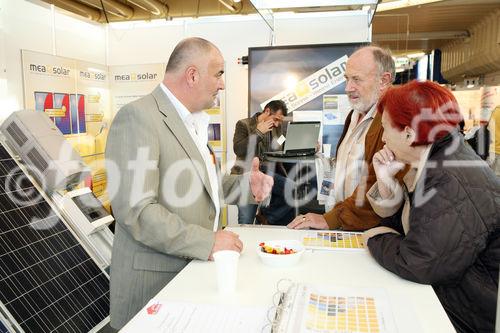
x=382 y=58
x=369 y=72
x=194 y=73
x=187 y=52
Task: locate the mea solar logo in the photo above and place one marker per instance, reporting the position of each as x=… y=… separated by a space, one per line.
x=93 y=76
x=136 y=77
x=313 y=86
x=49 y=70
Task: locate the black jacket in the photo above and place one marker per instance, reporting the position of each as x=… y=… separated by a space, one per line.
x=454 y=238
x=480 y=142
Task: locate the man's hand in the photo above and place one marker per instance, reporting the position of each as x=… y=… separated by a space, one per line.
x=318 y=146
x=260 y=183
x=310 y=220
x=226 y=240
x=265 y=126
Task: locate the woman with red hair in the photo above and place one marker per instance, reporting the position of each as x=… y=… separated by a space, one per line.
x=442 y=226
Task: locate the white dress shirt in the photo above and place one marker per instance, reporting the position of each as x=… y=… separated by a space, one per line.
x=351 y=155
x=197 y=125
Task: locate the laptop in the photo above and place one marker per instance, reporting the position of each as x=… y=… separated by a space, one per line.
x=301 y=140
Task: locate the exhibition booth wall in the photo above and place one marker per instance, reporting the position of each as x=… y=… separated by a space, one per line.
x=30 y=26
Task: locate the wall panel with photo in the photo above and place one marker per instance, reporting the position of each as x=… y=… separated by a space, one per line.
x=306 y=78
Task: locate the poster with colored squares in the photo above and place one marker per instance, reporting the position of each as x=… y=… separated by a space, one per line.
x=66 y=110
x=341 y=314
x=333 y=240
x=335 y=309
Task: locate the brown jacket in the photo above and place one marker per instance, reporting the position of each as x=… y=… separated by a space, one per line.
x=347 y=215
x=246 y=133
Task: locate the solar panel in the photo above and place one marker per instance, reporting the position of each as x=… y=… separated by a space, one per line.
x=48 y=282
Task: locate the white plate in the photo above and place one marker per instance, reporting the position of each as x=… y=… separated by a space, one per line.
x=282 y=260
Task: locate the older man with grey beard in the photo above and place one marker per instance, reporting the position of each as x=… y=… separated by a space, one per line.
x=370 y=71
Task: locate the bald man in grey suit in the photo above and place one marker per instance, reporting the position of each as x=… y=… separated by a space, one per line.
x=163 y=181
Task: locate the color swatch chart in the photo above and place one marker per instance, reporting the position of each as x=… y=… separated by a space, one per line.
x=332 y=240
x=341 y=314
x=334 y=309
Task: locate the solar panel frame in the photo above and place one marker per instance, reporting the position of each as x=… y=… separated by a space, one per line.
x=5 y=326
x=48 y=280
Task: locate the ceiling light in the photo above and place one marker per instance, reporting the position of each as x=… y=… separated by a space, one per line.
x=273 y=4
x=402 y=4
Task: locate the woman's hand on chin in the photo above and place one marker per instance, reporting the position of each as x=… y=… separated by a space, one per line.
x=386 y=166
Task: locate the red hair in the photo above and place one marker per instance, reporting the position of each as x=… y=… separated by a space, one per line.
x=429 y=109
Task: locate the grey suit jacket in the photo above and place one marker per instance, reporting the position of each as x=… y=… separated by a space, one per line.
x=163 y=209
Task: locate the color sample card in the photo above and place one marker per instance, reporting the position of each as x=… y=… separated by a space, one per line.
x=341 y=314
x=324 y=309
x=333 y=240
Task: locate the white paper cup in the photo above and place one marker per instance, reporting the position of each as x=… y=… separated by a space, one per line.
x=327 y=150
x=226 y=263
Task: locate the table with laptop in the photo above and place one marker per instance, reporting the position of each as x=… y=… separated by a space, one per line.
x=298 y=156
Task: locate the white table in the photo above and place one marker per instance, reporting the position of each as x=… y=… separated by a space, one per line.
x=415 y=307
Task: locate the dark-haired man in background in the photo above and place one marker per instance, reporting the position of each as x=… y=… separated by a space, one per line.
x=252 y=138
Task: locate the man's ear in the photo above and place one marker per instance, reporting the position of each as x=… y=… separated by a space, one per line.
x=192 y=76
x=385 y=79
x=267 y=111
